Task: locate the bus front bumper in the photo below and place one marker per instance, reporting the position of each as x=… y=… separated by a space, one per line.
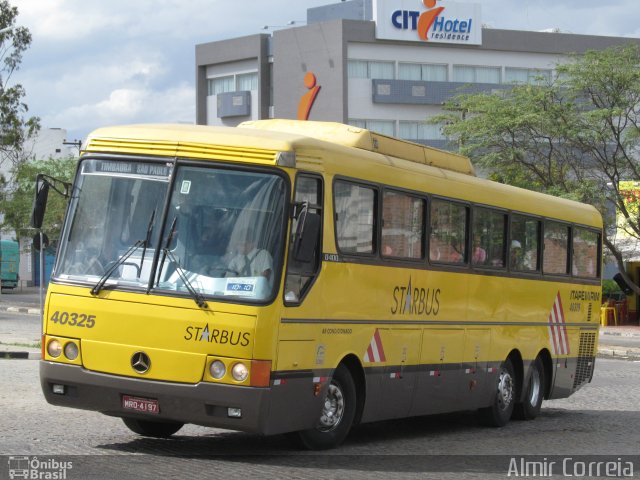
x=202 y=403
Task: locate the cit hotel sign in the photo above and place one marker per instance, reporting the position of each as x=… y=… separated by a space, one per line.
x=428 y=21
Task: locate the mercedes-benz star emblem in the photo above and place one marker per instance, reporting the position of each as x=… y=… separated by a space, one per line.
x=140 y=362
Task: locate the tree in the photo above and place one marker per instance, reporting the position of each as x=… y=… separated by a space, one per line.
x=577 y=136
x=14 y=128
x=17 y=200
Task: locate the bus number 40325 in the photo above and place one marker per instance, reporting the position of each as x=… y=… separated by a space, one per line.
x=73 y=319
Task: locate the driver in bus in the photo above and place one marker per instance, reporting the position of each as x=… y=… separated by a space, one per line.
x=251 y=261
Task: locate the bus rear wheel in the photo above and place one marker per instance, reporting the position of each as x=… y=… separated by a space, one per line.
x=338 y=412
x=504 y=395
x=150 y=428
x=530 y=406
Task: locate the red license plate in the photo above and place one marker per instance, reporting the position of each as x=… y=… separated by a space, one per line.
x=139 y=404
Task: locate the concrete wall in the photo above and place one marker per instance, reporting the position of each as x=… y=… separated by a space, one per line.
x=216 y=55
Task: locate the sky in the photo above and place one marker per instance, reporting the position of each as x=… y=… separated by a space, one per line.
x=94 y=63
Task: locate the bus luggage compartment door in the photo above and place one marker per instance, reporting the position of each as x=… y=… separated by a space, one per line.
x=440 y=375
x=393 y=378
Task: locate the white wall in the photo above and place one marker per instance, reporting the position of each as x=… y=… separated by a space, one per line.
x=361 y=106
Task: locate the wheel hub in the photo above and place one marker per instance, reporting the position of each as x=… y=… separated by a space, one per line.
x=505 y=390
x=333 y=409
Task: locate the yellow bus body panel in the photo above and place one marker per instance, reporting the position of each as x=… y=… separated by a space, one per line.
x=179 y=333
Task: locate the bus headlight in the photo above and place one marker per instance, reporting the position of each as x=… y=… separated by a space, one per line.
x=217 y=369
x=54 y=348
x=70 y=350
x=239 y=372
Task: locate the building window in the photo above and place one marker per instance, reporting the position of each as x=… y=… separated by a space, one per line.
x=531 y=76
x=422 y=71
x=247 y=81
x=420 y=131
x=221 y=85
x=473 y=74
x=371 y=69
x=233 y=83
x=385 y=127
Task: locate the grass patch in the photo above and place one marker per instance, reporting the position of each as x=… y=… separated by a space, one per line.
x=18 y=344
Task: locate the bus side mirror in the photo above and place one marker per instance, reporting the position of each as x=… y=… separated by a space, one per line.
x=307 y=235
x=39 y=202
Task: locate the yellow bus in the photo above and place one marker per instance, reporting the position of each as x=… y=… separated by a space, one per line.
x=287 y=276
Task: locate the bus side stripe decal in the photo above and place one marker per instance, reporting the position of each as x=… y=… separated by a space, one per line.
x=564 y=326
x=554 y=332
x=375 y=351
x=558 y=328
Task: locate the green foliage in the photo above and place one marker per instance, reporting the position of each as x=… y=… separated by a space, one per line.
x=17 y=200
x=576 y=137
x=14 y=127
x=609 y=288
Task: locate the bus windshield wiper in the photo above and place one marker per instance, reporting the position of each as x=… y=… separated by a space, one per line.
x=98 y=286
x=147 y=240
x=197 y=297
x=139 y=243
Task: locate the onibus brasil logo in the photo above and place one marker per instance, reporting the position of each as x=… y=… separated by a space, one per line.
x=35 y=468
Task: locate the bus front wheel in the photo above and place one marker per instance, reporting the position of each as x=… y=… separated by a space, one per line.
x=338 y=412
x=150 y=428
x=504 y=396
x=530 y=406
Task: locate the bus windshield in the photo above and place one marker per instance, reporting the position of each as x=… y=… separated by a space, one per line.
x=222 y=235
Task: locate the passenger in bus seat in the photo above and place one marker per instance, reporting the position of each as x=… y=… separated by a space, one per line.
x=479 y=254
x=454 y=255
x=516 y=260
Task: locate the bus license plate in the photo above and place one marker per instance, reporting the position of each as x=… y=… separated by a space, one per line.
x=139 y=404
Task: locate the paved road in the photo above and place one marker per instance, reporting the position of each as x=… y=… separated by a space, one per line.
x=603 y=418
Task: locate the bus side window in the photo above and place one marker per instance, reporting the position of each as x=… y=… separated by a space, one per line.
x=402 y=225
x=556 y=248
x=300 y=275
x=524 y=249
x=585 y=257
x=489 y=233
x=448 y=237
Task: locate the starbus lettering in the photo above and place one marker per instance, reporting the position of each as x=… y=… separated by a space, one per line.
x=409 y=300
x=215 y=335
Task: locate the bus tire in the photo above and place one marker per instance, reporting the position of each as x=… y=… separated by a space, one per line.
x=338 y=412
x=503 y=398
x=150 y=428
x=529 y=408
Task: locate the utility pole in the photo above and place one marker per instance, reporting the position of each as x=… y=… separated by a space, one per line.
x=75 y=143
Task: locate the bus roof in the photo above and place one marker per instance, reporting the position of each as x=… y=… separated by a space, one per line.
x=361 y=138
x=398 y=163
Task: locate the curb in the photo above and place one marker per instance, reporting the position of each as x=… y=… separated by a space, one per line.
x=619 y=353
x=20 y=356
x=27 y=310
x=621 y=334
